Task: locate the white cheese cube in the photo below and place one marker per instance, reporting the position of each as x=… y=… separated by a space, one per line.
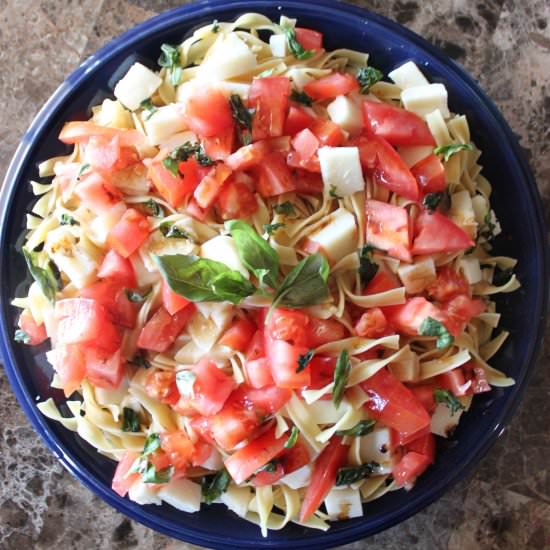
x=471 y=270
x=341 y=170
x=462 y=212
x=143 y=493
x=423 y=100
x=376 y=447
x=277 y=43
x=237 y=499
x=299 y=478
x=481 y=208
x=443 y=422
x=408 y=75
x=438 y=127
x=299 y=77
x=344 y=504
x=223 y=249
x=113 y=114
x=182 y=494
x=416 y=277
x=414 y=153
x=338 y=237
x=164 y=123
x=347 y=114
x=227 y=58
x=138 y=84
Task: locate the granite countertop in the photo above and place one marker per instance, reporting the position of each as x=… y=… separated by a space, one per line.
x=505 y=503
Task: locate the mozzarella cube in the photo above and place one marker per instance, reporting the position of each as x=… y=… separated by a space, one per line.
x=376 y=447
x=277 y=43
x=299 y=478
x=223 y=249
x=471 y=269
x=143 y=493
x=414 y=153
x=337 y=238
x=443 y=422
x=227 y=58
x=416 y=277
x=237 y=499
x=347 y=114
x=112 y=113
x=341 y=170
x=164 y=123
x=481 y=207
x=462 y=212
x=343 y=504
x=423 y=100
x=138 y=84
x=182 y=494
x=408 y=75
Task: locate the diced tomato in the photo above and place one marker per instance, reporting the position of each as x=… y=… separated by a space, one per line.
x=323 y=331
x=256 y=348
x=289 y=325
x=238 y=335
x=372 y=323
x=437 y=233
x=70 y=366
x=97 y=193
x=117 y=269
x=407 y=318
x=298 y=119
x=104 y=370
x=129 y=233
x=447 y=285
x=202 y=452
x=162 y=329
x=172 y=301
x=283 y=361
x=219 y=147
x=323 y=478
x=232 y=425
x=425 y=394
x=394 y=404
x=263 y=478
x=294 y=160
x=327 y=132
x=258 y=373
x=35 y=332
x=269 y=97
x=454 y=381
x=479 y=381
x=123 y=479
x=322 y=371
x=410 y=467
x=396 y=125
x=424 y=445
x=106 y=154
x=161 y=386
x=236 y=201
x=266 y=400
x=308 y=183
x=387 y=228
x=174 y=188
x=459 y=311
x=274 y=177
x=114 y=299
x=247 y=460
x=248 y=156
x=178 y=447
x=306 y=144
x=193 y=209
x=309 y=39
x=208 y=113
x=210 y=186
x=381 y=282
x=81 y=131
x=330 y=86
x=294 y=458
x=430 y=174
x=387 y=169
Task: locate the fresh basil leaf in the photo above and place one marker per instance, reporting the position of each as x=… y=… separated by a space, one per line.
x=367 y=77
x=152 y=475
x=285 y=209
x=363 y=427
x=215 y=26
x=341 y=374
x=306 y=285
x=21 y=336
x=333 y=194
x=296 y=49
x=154 y=208
x=172 y=165
x=170 y=59
x=183 y=153
x=185 y=380
x=267 y=72
x=292 y=438
x=214 y=486
x=243 y=117
x=139 y=361
x=352 y=474
x=152 y=443
x=45 y=277
x=255 y=253
x=137 y=297
x=433 y=327
x=83 y=169
x=303 y=360
x=502 y=276
x=270 y=228
x=270 y=467
x=171 y=231
x=449 y=150
x=203 y=280
x=147 y=105
x=130 y=420
x=488 y=228
x=367 y=267
x=301 y=97
x=433 y=201
x=66 y=219
x=448 y=398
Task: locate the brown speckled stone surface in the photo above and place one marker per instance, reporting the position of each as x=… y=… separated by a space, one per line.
x=505 y=503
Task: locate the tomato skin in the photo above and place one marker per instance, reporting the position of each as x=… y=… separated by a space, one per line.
x=294 y=458
x=178 y=447
x=104 y=370
x=430 y=174
x=174 y=188
x=266 y=400
x=323 y=331
x=129 y=233
x=425 y=394
x=69 y=364
x=309 y=39
x=162 y=329
x=238 y=335
x=256 y=348
x=387 y=228
x=289 y=325
x=479 y=381
x=274 y=177
x=248 y=156
x=436 y=233
x=208 y=113
x=283 y=361
x=36 y=333
x=80 y=131
x=114 y=299
x=447 y=285
x=263 y=478
x=97 y=193
x=298 y=119
x=236 y=201
x=269 y=96
x=172 y=301
x=193 y=209
x=459 y=311
x=308 y=183
x=161 y=386
x=327 y=132
x=396 y=125
x=258 y=372
x=122 y=479
x=210 y=186
x=322 y=371
x=394 y=404
x=107 y=155
x=232 y=425
x=219 y=147
x=424 y=445
x=305 y=144
x=372 y=323
x=410 y=467
x=407 y=318
x=454 y=381
x=381 y=282
x=117 y=269
x=323 y=478
x=247 y=460
x=330 y=86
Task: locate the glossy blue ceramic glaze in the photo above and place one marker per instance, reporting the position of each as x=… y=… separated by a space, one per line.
x=515 y=200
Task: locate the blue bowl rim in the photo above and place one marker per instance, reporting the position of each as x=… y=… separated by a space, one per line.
x=38 y=126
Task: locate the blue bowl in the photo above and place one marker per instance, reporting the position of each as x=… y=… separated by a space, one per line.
x=515 y=200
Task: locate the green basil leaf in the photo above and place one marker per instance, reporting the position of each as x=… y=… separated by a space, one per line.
x=292 y=438
x=147 y=105
x=285 y=209
x=214 y=486
x=152 y=443
x=170 y=58
x=303 y=360
x=367 y=77
x=306 y=285
x=333 y=194
x=448 y=398
x=301 y=97
x=352 y=474
x=183 y=153
x=66 y=219
x=341 y=374
x=433 y=327
x=294 y=46
x=363 y=427
x=255 y=253
x=45 y=277
x=21 y=336
x=270 y=467
x=171 y=231
x=449 y=150
x=154 y=208
x=83 y=169
x=267 y=72
x=215 y=26
x=433 y=201
x=367 y=267
x=185 y=380
x=243 y=117
x=137 y=297
x=270 y=228
x=130 y=420
x=152 y=475
x=202 y=280
x=139 y=361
